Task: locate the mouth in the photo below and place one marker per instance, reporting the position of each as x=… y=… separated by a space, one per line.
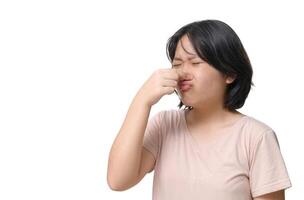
x=185 y=79
x=185 y=85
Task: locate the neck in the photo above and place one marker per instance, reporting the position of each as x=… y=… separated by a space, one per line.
x=214 y=115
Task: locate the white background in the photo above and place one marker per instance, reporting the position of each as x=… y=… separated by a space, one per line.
x=69 y=70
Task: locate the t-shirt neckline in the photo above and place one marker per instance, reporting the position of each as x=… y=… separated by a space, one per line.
x=193 y=140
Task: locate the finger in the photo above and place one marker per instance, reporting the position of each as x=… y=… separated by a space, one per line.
x=169 y=83
x=177 y=74
x=168 y=90
x=172 y=75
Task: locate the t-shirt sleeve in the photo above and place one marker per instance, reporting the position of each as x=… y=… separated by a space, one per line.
x=268 y=172
x=152 y=136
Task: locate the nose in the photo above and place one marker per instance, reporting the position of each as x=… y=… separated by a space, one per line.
x=184 y=74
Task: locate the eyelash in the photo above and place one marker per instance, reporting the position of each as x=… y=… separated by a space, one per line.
x=192 y=63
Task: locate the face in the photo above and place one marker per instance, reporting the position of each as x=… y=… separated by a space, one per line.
x=207 y=85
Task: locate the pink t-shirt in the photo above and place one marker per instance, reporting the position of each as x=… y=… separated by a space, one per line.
x=241 y=163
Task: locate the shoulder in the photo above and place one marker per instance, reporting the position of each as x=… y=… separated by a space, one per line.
x=169 y=114
x=255 y=129
x=256 y=125
x=169 y=117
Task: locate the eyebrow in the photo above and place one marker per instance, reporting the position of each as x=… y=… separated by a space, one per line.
x=190 y=58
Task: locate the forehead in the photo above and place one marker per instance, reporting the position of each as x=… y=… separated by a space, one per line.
x=184 y=49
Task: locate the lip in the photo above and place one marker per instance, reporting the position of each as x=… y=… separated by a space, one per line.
x=184 y=82
x=185 y=86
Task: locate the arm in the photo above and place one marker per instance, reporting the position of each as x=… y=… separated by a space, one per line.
x=125 y=155
x=128 y=160
x=278 y=195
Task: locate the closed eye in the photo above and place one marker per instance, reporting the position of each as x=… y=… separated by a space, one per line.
x=196 y=63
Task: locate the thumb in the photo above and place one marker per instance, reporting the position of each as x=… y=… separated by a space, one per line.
x=180 y=73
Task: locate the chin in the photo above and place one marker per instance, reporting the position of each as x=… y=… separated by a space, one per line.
x=187 y=103
x=192 y=103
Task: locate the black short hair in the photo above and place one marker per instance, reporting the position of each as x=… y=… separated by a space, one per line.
x=216 y=43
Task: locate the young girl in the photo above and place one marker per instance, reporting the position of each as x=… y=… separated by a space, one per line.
x=207 y=150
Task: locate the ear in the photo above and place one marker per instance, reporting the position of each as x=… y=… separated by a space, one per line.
x=229 y=79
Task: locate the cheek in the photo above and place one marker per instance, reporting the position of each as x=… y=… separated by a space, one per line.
x=209 y=82
x=204 y=80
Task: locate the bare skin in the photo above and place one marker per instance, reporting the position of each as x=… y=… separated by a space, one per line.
x=206 y=95
x=278 y=195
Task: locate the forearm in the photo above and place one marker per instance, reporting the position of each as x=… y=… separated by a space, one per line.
x=125 y=154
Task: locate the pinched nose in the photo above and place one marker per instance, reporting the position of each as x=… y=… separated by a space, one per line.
x=187 y=77
x=183 y=75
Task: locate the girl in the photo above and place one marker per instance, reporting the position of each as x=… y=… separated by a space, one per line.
x=207 y=150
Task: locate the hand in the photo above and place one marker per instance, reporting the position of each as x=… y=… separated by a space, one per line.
x=160 y=83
